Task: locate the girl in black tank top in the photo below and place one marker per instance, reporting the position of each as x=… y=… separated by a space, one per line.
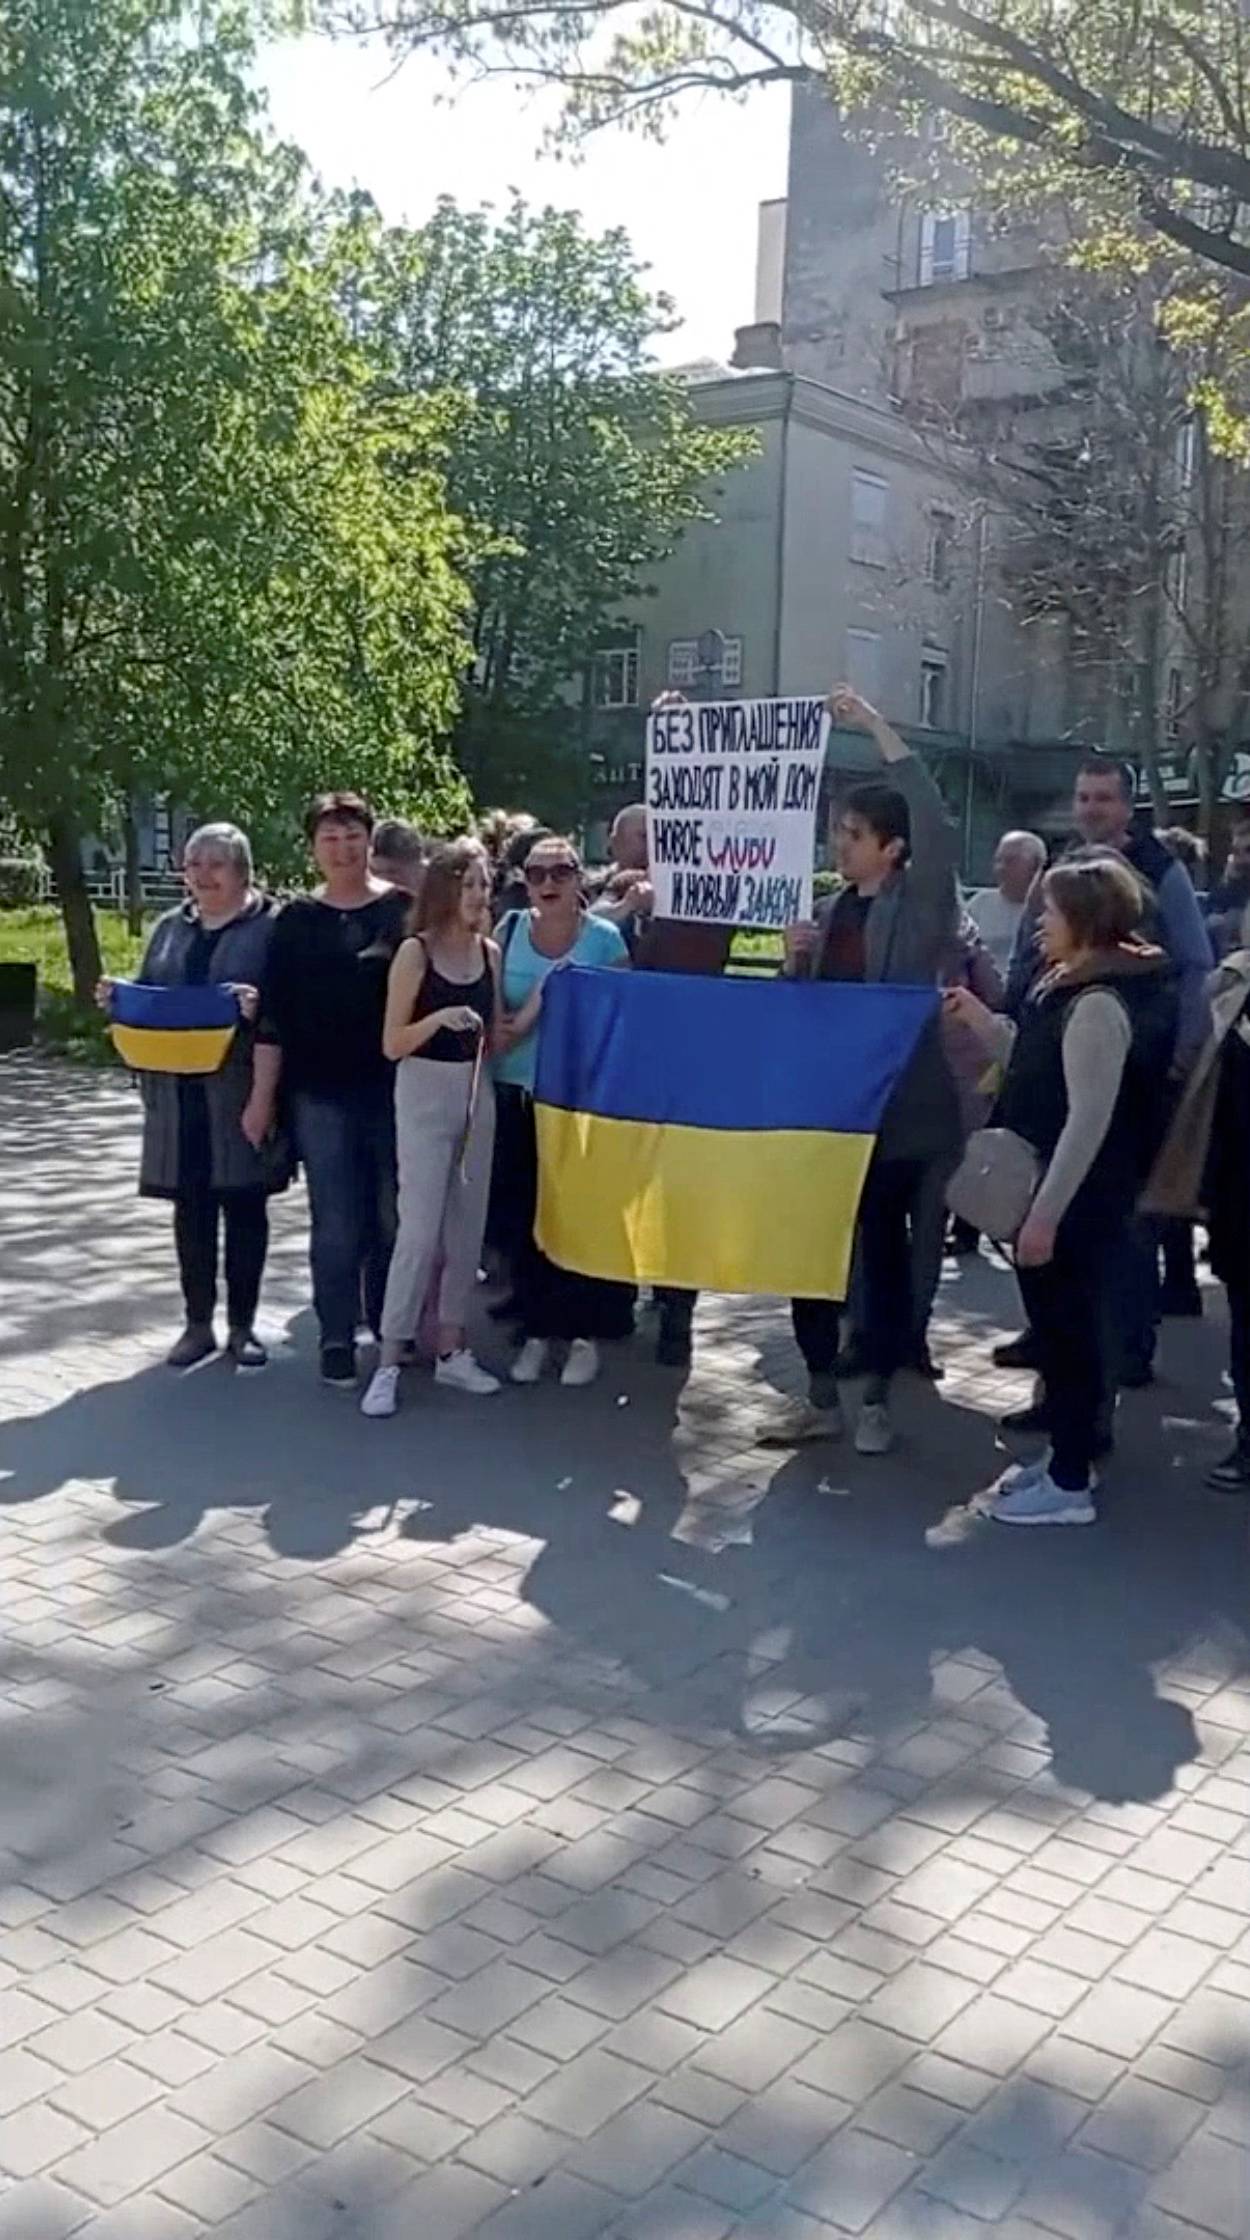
x=444 y=1121
x=438 y=993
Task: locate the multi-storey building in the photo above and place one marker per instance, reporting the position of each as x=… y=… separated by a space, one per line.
x=889 y=336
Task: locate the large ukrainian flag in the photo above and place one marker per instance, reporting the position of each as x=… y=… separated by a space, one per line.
x=172 y=1030
x=713 y=1134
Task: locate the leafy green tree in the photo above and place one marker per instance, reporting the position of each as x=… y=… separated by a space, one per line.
x=1147 y=109
x=576 y=465
x=227 y=568
x=1134 y=123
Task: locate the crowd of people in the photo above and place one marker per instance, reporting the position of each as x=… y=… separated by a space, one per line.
x=1095 y=1012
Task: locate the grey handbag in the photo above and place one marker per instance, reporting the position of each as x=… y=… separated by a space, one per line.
x=995 y=1182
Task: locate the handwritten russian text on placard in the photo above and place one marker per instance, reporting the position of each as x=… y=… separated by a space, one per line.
x=732 y=789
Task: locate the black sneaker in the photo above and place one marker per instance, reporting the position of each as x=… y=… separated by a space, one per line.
x=1232 y=1475
x=673 y=1345
x=1183 y=1305
x=1017 y=1353
x=195 y=1344
x=338 y=1367
x=246 y=1350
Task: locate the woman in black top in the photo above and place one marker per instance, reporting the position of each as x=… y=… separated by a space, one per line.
x=441 y=1006
x=325 y=995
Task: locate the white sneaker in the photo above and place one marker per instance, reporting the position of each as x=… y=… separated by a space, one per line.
x=463 y=1373
x=582 y=1366
x=382 y=1395
x=799 y=1423
x=530 y=1362
x=874 y=1433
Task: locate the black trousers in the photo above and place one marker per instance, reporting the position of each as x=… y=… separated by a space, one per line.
x=551 y=1302
x=891 y=1195
x=1064 y=1302
x=245 y=1217
x=1237 y=1286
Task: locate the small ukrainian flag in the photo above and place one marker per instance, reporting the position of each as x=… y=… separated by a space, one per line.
x=713 y=1134
x=172 y=1030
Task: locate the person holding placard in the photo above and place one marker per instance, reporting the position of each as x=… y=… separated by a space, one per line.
x=893 y=921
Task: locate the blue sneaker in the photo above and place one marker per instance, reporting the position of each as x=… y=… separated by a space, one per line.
x=1008 y=1481
x=1040 y=1501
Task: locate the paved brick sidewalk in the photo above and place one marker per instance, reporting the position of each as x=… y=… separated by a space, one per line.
x=553 y=1816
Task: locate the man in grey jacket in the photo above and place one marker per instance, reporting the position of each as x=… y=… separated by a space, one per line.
x=892 y=921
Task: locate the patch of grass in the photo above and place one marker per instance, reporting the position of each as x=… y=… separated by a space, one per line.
x=36 y=936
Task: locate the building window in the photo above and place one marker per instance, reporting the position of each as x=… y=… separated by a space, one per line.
x=933 y=688
x=945 y=246
x=1173 y=703
x=1187 y=453
x=941 y=541
x=868 y=503
x=684 y=672
x=1178 y=576
x=863 y=664
x=614 y=676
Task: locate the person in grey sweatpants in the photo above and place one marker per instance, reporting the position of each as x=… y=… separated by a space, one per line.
x=441 y=1003
x=445 y=1141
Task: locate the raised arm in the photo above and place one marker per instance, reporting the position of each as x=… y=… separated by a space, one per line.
x=934 y=848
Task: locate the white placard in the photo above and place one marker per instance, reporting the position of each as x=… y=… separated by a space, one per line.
x=732 y=789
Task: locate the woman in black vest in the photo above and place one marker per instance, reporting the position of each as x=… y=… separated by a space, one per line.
x=209 y=1141
x=1086 y=1086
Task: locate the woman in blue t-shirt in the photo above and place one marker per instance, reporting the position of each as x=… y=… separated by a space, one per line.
x=550 y=1303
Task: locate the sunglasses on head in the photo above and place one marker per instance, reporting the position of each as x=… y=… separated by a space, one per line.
x=538 y=874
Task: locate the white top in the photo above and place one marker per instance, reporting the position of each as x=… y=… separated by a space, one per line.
x=997 y=921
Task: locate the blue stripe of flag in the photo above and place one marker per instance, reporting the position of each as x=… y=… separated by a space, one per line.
x=169 y=1010
x=699 y=1053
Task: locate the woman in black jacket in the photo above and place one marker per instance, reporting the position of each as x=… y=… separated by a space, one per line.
x=1086 y=1087
x=208 y=1140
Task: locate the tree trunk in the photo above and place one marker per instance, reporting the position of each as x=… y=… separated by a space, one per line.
x=134 y=879
x=78 y=917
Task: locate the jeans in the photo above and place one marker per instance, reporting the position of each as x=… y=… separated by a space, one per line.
x=1063 y=1302
x=245 y=1217
x=895 y=1192
x=347 y=1146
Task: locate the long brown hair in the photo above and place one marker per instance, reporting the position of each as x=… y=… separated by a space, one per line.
x=439 y=900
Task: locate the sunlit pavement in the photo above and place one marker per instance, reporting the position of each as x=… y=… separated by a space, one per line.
x=555 y=1815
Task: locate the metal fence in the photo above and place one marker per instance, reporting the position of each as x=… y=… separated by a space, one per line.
x=107 y=889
